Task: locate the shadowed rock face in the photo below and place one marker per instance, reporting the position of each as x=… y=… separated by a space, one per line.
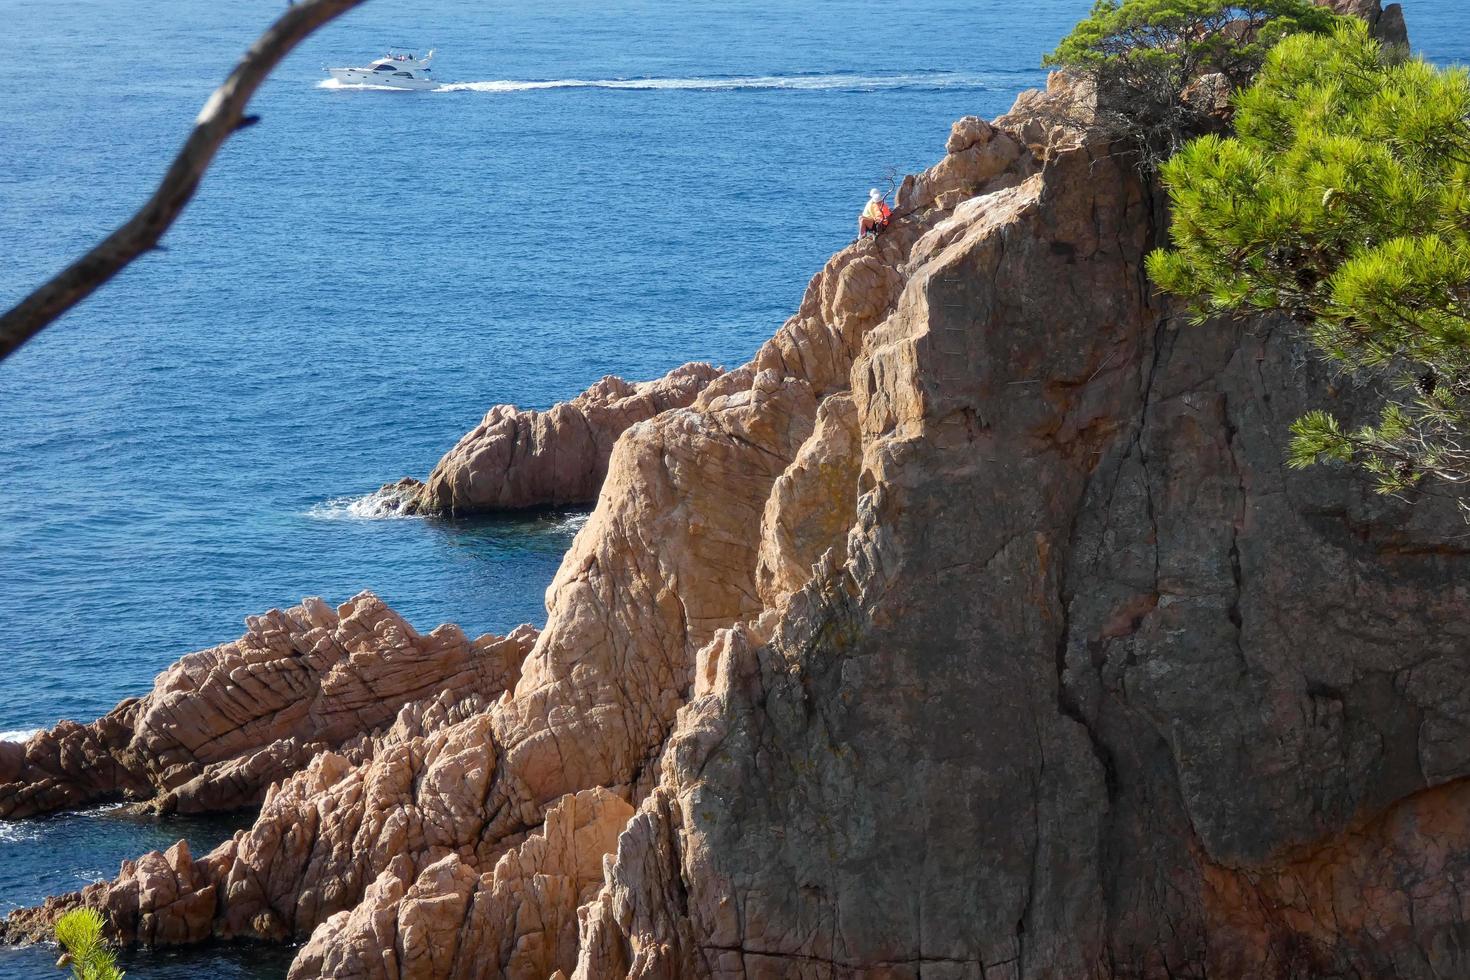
x=1387 y=22
x=976 y=628
x=1096 y=686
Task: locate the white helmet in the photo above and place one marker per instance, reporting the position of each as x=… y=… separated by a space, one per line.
x=874 y=195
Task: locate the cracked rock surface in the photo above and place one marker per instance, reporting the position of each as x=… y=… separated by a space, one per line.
x=1097 y=685
x=223 y=724
x=976 y=628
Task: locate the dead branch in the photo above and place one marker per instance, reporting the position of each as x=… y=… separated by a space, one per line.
x=222 y=115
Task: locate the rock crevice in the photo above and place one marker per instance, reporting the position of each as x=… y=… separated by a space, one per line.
x=975 y=628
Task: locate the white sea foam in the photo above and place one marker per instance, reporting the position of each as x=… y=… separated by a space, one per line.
x=19 y=831
x=571 y=524
x=736 y=83
x=380 y=505
x=842 y=81
x=350 y=87
x=18 y=735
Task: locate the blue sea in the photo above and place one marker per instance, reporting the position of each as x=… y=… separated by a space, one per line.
x=602 y=187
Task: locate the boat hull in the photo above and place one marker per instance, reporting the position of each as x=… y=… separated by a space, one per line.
x=381 y=79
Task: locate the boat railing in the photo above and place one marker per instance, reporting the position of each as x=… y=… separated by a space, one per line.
x=407 y=55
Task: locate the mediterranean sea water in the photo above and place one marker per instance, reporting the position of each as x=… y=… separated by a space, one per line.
x=606 y=187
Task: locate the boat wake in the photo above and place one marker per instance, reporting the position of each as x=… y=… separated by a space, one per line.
x=354 y=87
x=813 y=82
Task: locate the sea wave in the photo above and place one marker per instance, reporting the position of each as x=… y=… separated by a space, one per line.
x=19 y=831
x=385 y=504
x=834 y=81
x=798 y=82
x=18 y=735
x=571 y=524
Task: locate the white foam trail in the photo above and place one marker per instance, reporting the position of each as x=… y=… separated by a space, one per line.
x=351 y=87
x=380 y=505
x=796 y=83
x=18 y=735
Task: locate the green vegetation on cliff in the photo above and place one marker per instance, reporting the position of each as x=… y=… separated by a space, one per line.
x=1343 y=202
x=1147 y=56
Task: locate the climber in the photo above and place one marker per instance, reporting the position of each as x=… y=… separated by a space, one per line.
x=875 y=215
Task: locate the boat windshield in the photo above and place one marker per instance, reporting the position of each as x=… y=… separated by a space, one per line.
x=383 y=67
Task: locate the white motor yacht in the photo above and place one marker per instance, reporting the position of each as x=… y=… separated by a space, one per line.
x=396 y=69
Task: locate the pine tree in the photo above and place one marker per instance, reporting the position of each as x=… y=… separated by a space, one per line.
x=1343 y=202
x=1143 y=57
x=80 y=933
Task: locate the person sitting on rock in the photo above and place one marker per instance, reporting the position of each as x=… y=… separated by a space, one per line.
x=875 y=215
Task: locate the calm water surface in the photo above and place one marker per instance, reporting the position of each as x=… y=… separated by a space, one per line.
x=364 y=273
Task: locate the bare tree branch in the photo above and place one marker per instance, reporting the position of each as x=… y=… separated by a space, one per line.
x=222 y=115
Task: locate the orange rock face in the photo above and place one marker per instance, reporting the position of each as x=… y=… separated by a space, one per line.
x=520 y=458
x=518 y=919
x=221 y=725
x=812 y=504
x=976 y=628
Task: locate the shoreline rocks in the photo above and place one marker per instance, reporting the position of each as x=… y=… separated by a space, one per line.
x=222 y=725
x=668 y=558
x=518 y=459
x=976 y=627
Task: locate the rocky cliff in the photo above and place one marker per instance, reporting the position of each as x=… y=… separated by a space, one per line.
x=975 y=628
x=517 y=459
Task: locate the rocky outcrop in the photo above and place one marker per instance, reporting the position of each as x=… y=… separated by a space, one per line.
x=1053 y=116
x=523 y=458
x=222 y=725
x=518 y=920
x=668 y=558
x=1387 y=23
x=161 y=899
x=975 y=628
x=812 y=503
x=845 y=751
x=977 y=156
x=1098 y=686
